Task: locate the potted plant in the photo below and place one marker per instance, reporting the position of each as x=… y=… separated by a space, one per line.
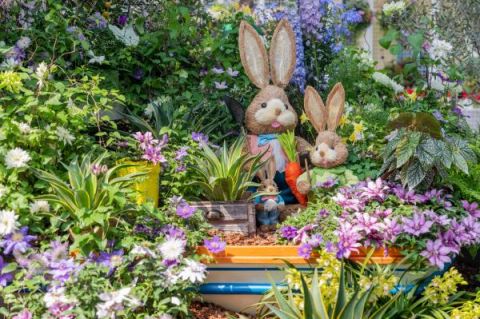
x=223 y=178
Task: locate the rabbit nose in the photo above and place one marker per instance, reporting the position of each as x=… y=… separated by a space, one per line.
x=322 y=153
x=278 y=111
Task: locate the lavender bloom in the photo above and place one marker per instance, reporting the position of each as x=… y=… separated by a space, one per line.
x=457 y=110
x=173 y=232
x=111 y=260
x=323 y=213
x=367 y=223
x=25 y=314
x=329 y=183
x=449 y=239
x=305 y=251
x=58 y=251
x=221 y=85
x=472 y=230
x=5 y=278
x=471 y=208
x=315 y=240
x=383 y=213
x=288 y=232
x=97 y=21
x=437 y=253
x=200 y=137
x=18 y=241
x=181 y=153
x=16 y=54
x=217 y=70
x=374 y=190
x=437 y=219
x=405 y=196
x=154 y=155
x=350 y=204
x=233 y=73
x=122 y=20
x=58 y=310
x=181 y=168
x=145 y=139
x=391 y=229
x=215 y=245
x=184 y=210
x=417 y=225
x=302 y=233
x=63 y=270
x=348 y=239
x=438 y=116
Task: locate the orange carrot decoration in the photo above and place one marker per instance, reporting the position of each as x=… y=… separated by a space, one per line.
x=292 y=169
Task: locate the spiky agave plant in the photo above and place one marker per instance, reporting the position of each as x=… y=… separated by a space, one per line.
x=225 y=175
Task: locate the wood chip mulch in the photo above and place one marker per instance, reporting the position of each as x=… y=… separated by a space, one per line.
x=201 y=310
x=240 y=239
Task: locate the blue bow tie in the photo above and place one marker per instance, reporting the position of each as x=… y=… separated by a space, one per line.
x=266 y=138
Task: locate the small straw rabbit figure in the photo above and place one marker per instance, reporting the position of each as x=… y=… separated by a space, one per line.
x=329 y=152
x=270 y=113
x=268 y=203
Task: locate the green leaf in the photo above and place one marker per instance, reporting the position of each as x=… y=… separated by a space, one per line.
x=406 y=148
x=415 y=174
x=388 y=38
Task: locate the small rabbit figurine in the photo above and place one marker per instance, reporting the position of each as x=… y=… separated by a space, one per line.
x=268 y=203
x=270 y=113
x=329 y=152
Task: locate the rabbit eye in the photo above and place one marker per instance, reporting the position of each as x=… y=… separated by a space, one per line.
x=264 y=105
x=286 y=106
x=316 y=148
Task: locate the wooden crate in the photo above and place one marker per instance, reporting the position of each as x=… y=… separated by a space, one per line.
x=238 y=216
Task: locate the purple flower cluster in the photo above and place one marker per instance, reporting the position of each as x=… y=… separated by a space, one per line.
x=152 y=148
x=180 y=155
x=182 y=208
x=97 y=21
x=16 y=55
x=18 y=241
x=200 y=138
x=5 y=278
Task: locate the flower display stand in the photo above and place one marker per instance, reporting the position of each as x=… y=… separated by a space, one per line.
x=239 y=276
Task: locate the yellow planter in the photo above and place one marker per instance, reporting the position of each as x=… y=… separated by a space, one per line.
x=147 y=187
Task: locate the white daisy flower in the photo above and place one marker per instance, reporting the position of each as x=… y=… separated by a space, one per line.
x=115 y=301
x=17 y=158
x=172 y=249
x=39 y=206
x=64 y=135
x=193 y=271
x=439 y=49
x=8 y=222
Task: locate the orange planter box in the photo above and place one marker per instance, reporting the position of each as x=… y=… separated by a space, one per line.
x=276 y=254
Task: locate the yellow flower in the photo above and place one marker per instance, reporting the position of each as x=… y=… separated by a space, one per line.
x=343 y=120
x=11 y=81
x=303 y=118
x=441 y=288
x=358 y=128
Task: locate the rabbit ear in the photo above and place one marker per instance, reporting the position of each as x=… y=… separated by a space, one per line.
x=282 y=54
x=315 y=109
x=253 y=55
x=335 y=106
x=271 y=168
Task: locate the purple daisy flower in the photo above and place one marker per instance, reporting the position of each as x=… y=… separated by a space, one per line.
x=305 y=250
x=329 y=183
x=18 y=241
x=184 y=210
x=215 y=245
x=288 y=232
x=5 y=278
x=111 y=260
x=323 y=213
x=25 y=314
x=63 y=270
x=437 y=253
x=417 y=225
x=471 y=208
x=199 y=137
x=315 y=240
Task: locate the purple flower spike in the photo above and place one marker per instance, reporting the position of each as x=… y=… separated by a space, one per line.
x=17 y=242
x=288 y=232
x=215 y=245
x=199 y=138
